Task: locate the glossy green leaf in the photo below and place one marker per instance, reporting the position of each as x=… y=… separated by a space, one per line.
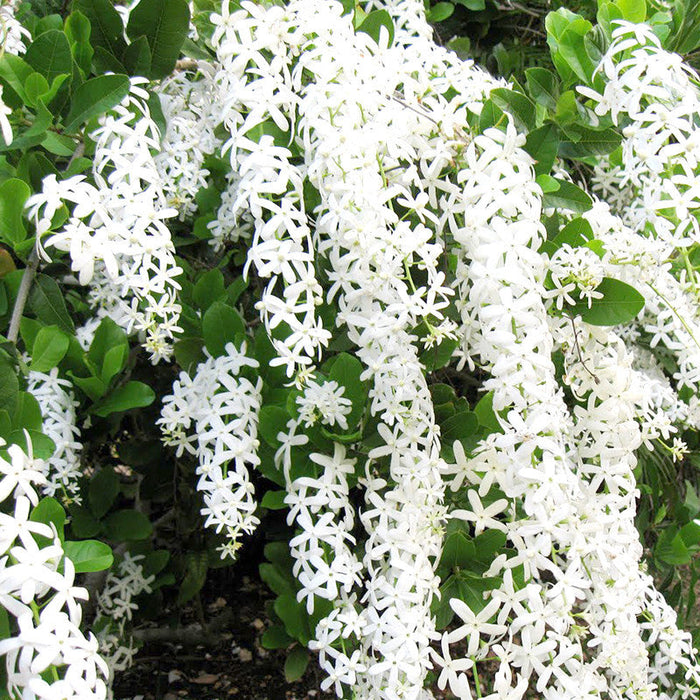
x=106 y=26
x=221 y=325
x=568 y=196
x=620 y=303
x=89 y=555
x=46 y=301
x=519 y=106
x=589 y=142
x=542 y=144
x=127 y=525
x=124 y=398
x=50 y=512
x=543 y=86
x=137 y=57
x=165 y=24
x=376 y=24
x=95 y=97
x=50 y=347
x=50 y=55
x=296 y=664
x=13 y=194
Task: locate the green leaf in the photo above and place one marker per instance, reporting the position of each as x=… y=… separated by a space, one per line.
x=346 y=370
x=490 y=115
x=519 y=106
x=50 y=347
x=42 y=445
x=275 y=638
x=296 y=664
x=189 y=352
x=165 y=24
x=457 y=551
x=486 y=415
x=82 y=522
x=373 y=24
x=542 y=144
x=568 y=196
x=276 y=580
x=632 y=10
x=671 y=549
x=78 y=30
x=14 y=71
x=548 y=183
x=577 y=232
x=589 y=142
x=208 y=289
x=50 y=54
x=620 y=303
x=35 y=134
x=106 y=27
x=294 y=616
x=50 y=512
x=461 y=426
x=124 y=398
x=27 y=413
x=439 y=355
x=13 y=194
x=46 y=301
x=103 y=491
x=473 y=5
x=127 y=525
x=220 y=325
x=137 y=57
x=95 y=97
x=89 y=555
x=273 y=420
x=543 y=87
x=274 y=500
x=440 y=12
x=108 y=351
x=565 y=36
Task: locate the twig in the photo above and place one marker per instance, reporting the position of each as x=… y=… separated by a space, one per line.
x=195 y=634
x=22 y=295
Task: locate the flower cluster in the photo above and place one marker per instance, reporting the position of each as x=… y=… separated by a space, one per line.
x=46 y=654
x=117 y=237
x=214 y=416
x=57 y=403
x=191 y=114
x=116 y=607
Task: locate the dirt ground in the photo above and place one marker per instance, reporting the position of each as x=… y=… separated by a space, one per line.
x=231 y=665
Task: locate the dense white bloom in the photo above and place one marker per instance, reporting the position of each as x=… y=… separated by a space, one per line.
x=117 y=237
x=58 y=404
x=214 y=416
x=37 y=590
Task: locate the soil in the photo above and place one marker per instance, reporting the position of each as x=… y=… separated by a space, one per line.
x=231 y=665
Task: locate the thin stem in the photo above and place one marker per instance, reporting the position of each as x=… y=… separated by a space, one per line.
x=680 y=318
x=477 y=683
x=23 y=295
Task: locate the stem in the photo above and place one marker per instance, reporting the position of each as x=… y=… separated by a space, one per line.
x=680 y=318
x=477 y=683
x=23 y=295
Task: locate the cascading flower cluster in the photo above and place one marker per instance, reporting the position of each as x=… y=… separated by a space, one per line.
x=214 y=415
x=116 y=607
x=117 y=237
x=556 y=479
x=57 y=403
x=191 y=113
x=48 y=656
